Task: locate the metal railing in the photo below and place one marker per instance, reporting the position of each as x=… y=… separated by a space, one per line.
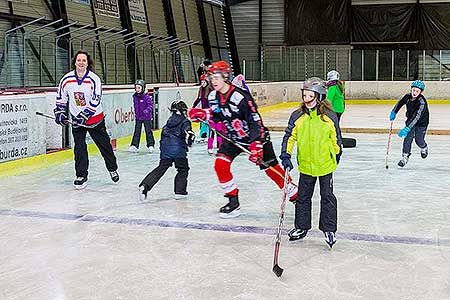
x=278 y=63
x=120 y=57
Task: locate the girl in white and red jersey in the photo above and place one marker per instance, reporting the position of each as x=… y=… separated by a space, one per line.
x=80 y=93
x=237 y=110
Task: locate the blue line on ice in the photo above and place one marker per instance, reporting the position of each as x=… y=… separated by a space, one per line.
x=218 y=227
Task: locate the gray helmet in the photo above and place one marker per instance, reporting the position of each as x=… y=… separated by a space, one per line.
x=141 y=83
x=316 y=85
x=333 y=75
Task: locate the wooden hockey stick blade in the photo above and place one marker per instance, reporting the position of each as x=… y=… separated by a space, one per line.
x=277 y=270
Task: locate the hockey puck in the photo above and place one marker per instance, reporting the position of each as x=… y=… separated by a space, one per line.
x=349 y=142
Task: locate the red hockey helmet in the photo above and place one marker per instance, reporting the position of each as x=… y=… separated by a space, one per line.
x=220 y=67
x=203 y=77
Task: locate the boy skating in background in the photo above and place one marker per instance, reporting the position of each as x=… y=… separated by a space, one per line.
x=417 y=120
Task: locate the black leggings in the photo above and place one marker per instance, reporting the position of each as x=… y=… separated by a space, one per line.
x=180 y=182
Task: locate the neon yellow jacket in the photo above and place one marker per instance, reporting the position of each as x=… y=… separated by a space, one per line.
x=318 y=141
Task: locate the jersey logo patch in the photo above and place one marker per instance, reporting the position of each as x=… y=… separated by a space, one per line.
x=238 y=128
x=80 y=99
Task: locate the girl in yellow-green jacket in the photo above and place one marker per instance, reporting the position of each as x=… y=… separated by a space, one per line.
x=314 y=127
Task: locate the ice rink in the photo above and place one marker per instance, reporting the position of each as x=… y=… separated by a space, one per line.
x=101 y=243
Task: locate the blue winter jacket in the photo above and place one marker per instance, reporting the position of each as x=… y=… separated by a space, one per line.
x=173 y=137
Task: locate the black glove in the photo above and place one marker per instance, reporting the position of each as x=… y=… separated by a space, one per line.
x=60 y=116
x=81 y=118
x=286 y=161
x=338 y=156
x=190 y=137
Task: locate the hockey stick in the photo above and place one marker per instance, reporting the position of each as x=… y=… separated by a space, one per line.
x=276 y=268
x=388 y=146
x=265 y=164
x=68 y=121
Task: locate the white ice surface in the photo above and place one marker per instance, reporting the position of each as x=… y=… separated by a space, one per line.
x=126 y=256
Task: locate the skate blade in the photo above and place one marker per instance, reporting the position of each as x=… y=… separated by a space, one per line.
x=180 y=197
x=141 y=196
x=330 y=244
x=234 y=214
x=277 y=270
x=80 y=187
x=293 y=239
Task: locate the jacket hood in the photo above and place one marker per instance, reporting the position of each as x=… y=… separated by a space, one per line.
x=175 y=119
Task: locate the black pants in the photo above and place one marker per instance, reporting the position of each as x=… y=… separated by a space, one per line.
x=328 y=203
x=103 y=142
x=417 y=134
x=148 y=133
x=180 y=182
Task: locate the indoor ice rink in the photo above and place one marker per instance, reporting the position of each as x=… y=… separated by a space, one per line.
x=104 y=242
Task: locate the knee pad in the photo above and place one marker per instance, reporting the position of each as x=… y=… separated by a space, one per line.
x=222 y=166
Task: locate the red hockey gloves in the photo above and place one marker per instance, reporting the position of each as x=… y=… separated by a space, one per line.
x=256 y=149
x=199 y=114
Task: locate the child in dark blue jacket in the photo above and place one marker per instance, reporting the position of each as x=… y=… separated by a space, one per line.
x=176 y=137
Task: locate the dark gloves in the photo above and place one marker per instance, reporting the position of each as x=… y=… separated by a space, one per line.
x=60 y=116
x=286 y=161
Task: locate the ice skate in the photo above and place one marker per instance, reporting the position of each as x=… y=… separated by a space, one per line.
x=404 y=160
x=231 y=210
x=180 y=196
x=150 y=149
x=133 y=149
x=114 y=176
x=142 y=192
x=80 y=183
x=201 y=141
x=424 y=152
x=297 y=234
x=330 y=238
